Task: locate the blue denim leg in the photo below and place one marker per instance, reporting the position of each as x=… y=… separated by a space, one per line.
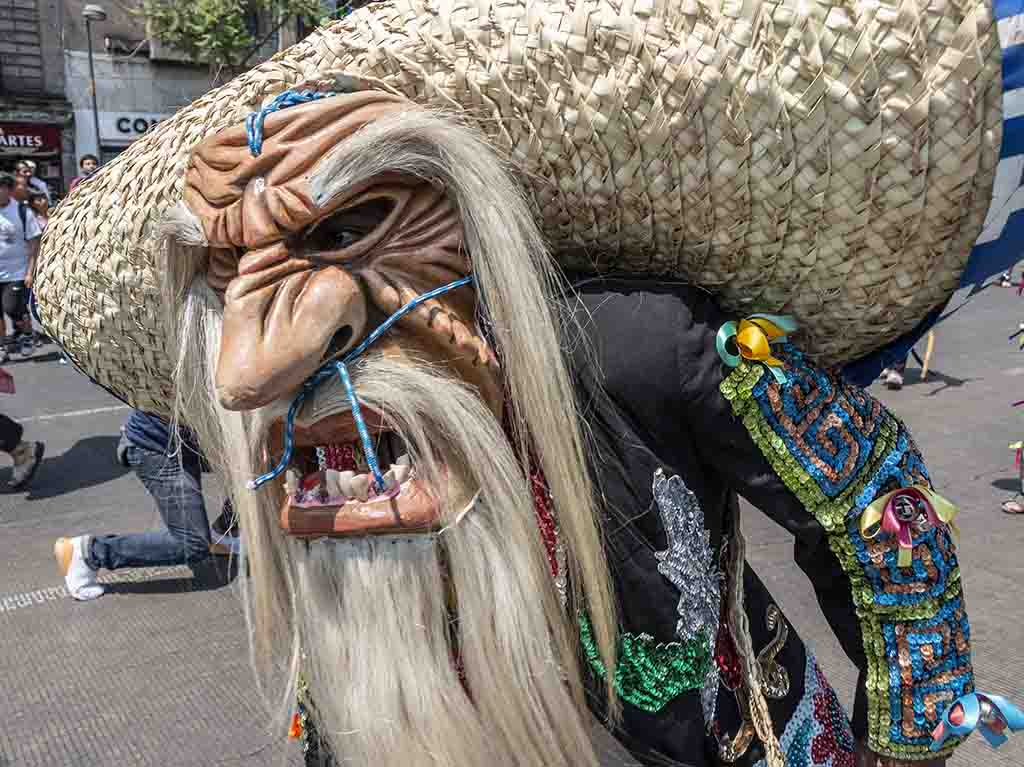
x=177 y=489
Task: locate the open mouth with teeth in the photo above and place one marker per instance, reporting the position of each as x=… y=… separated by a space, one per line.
x=330 y=491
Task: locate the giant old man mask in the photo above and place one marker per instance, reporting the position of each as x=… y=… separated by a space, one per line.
x=367 y=328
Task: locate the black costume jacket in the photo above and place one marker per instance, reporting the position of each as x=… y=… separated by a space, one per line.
x=676 y=436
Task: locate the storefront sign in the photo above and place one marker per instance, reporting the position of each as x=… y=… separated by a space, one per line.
x=125 y=127
x=27 y=139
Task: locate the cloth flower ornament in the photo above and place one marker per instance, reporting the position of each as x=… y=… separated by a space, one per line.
x=753 y=339
x=295 y=728
x=991 y=715
x=897 y=513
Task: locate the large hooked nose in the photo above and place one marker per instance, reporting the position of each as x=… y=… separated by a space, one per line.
x=281 y=315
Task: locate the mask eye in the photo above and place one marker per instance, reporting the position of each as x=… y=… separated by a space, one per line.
x=346 y=227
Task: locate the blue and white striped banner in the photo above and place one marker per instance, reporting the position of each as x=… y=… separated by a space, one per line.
x=1001 y=244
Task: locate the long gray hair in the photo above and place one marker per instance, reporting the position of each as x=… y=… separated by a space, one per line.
x=514 y=638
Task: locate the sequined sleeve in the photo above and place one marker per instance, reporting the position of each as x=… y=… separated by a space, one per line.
x=833 y=450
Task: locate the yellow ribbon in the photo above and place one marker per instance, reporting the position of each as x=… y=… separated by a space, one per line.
x=754 y=337
x=877 y=517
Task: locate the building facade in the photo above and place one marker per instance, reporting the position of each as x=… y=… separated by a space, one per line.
x=136 y=86
x=46 y=102
x=35 y=116
x=133 y=93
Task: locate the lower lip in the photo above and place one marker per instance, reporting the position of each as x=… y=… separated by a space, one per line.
x=410 y=511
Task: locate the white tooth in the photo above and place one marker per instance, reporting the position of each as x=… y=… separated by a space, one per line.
x=345 y=483
x=333 y=479
x=291 y=481
x=402 y=460
x=400 y=471
x=361 y=487
x=390 y=481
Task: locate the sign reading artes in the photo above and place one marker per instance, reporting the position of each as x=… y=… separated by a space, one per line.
x=29 y=139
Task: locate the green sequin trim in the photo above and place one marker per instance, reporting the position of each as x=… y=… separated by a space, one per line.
x=651 y=674
x=737 y=388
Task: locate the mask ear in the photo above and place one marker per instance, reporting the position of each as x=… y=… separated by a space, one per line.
x=183 y=227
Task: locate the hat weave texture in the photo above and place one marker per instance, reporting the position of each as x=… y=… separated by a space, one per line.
x=833 y=161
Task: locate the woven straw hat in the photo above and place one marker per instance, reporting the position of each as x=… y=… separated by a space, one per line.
x=834 y=162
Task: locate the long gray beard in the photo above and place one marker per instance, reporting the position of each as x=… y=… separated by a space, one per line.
x=373 y=614
x=378 y=655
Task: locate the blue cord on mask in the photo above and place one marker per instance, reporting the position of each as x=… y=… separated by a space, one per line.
x=254 y=122
x=339 y=368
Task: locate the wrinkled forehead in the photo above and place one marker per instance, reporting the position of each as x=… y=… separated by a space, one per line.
x=248 y=199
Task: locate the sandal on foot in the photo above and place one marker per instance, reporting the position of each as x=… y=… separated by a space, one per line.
x=1012 y=506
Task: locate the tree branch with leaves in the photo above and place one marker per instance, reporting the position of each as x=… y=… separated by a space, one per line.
x=222 y=33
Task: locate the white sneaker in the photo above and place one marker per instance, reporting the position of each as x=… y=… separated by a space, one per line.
x=894 y=381
x=79 y=578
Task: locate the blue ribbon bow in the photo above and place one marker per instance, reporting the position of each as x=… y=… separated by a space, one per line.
x=991 y=715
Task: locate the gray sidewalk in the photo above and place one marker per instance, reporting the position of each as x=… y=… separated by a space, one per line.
x=157 y=672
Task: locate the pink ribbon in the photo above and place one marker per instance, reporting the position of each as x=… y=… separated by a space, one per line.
x=899 y=510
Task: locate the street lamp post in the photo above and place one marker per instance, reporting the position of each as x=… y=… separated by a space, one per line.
x=94 y=13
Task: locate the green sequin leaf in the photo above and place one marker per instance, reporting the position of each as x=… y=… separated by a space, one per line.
x=651 y=674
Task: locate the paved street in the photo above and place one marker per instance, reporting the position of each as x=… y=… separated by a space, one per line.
x=157 y=673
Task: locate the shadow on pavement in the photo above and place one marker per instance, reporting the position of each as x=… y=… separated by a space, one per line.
x=1009 y=484
x=948 y=382
x=47 y=357
x=213 y=574
x=912 y=377
x=90 y=461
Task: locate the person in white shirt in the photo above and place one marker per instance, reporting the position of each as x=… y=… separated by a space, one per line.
x=19 y=244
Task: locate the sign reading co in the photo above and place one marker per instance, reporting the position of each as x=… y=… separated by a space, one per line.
x=137 y=125
x=125 y=127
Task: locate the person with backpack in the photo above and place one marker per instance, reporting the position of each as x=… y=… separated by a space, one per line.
x=19 y=244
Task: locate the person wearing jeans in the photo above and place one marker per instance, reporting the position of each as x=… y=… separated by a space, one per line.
x=172 y=473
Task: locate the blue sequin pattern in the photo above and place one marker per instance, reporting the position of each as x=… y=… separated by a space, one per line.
x=832 y=437
x=838 y=449
x=938 y=650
